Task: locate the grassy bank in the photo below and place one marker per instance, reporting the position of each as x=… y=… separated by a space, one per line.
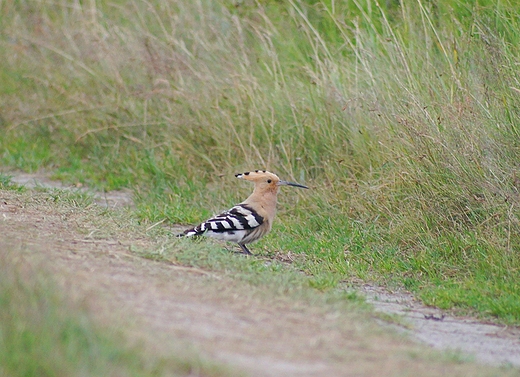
x=402 y=118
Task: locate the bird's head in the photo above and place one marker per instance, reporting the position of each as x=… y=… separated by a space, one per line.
x=265 y=180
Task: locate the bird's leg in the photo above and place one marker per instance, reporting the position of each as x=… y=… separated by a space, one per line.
x=245 y=250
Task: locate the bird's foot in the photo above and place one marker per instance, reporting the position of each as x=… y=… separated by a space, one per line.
x=245 y=250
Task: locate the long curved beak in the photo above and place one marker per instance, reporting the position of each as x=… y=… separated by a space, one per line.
x=285 y=183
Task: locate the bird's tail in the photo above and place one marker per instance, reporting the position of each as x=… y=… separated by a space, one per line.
x=190 y=232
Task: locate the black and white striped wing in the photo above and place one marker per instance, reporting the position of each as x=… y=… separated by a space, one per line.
x=233 y=225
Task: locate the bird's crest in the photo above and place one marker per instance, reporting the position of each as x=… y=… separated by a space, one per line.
x=258 y=175
x=266 y=180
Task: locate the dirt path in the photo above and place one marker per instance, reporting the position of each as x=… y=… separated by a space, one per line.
x=487 y=343
x=172 y=306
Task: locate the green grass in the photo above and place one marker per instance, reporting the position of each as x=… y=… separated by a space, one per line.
x=403 y=119
x=44 y=334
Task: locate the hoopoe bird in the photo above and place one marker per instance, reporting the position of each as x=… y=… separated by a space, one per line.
x=250 y=220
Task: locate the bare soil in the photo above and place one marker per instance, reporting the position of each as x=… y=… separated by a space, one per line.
x=111 y=199
x=168 y=306
x=485 y=342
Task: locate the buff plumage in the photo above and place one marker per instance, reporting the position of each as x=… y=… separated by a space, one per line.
x=250 y=220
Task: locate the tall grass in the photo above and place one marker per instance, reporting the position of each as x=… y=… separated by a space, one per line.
x=402 y=116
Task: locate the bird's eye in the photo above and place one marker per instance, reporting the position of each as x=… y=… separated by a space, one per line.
x=269 y=181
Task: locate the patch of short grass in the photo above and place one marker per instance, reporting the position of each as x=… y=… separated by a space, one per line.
x=402 y=117
x=44 y=334
x=274 y=275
